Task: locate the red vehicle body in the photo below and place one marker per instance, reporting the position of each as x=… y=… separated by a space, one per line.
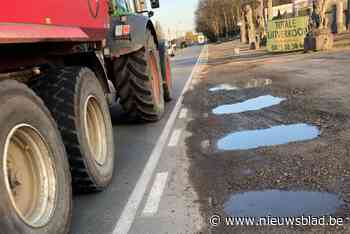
x=53 y=20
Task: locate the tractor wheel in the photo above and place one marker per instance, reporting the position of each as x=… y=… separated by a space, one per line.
x=139 y=83
x=166 y=72
x=35 y=181
x=77 y=102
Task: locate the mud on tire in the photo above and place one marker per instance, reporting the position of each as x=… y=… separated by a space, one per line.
x=78 y=104
x=135 y=80
x=35 y=182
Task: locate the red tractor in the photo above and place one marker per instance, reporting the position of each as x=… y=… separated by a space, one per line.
x=59 y=61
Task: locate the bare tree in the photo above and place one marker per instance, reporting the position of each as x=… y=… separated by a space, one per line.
x=218 y=18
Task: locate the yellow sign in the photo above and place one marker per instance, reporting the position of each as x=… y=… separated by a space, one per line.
x=287 y=34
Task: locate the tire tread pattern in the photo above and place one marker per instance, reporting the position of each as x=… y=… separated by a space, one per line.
x=58 y=90
x=134 y=87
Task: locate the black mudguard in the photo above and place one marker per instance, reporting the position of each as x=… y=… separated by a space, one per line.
x=139 y=24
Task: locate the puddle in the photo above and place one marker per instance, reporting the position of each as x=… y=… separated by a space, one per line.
x=226 y=87
x=279 y=203
x=277 y=135
x=249 y=105
x=252 y=83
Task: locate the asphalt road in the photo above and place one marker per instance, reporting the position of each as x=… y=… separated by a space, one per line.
x=135 y=144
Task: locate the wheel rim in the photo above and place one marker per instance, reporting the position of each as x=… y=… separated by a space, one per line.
x=168 y=74
x=155 y=79
x=96 y=130
x=30 y=175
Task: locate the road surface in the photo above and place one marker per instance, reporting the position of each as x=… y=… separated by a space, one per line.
x=269 y=142
x=256 y=138
x=116 y=210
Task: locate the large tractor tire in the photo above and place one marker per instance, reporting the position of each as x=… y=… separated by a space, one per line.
x=139 y=84
x=166 y=71
x=77 y=102
x=35 y=181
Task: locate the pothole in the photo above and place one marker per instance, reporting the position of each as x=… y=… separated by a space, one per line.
x=226 y=87
x=280 y=203
x=277 y=135
x=245 y=84
x=249 y=105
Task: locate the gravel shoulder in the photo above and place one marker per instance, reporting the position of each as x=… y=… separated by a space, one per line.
x=316 y=88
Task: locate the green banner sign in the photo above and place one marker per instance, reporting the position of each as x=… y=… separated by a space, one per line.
x=287 y=34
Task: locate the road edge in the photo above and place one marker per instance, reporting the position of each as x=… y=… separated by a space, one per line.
x=128 y=215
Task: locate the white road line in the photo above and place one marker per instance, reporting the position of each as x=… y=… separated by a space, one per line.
x=183 y=113
x=155 y=194
x=129 y=212
x=175 y=137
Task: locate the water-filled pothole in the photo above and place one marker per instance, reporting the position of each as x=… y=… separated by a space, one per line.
x=245 y=84
x=249 y=105
x=278 y=135
x=280 y=203
x=226 y=87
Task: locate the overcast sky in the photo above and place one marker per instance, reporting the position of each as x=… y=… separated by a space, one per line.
x=176 y=16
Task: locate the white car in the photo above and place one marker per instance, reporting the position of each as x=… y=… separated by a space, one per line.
x=171 y=49
x=171 y=52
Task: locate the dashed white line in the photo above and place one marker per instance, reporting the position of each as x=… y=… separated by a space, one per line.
x=175 y=137
x=127 y=217
x=183 y=113
x=155 y=194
